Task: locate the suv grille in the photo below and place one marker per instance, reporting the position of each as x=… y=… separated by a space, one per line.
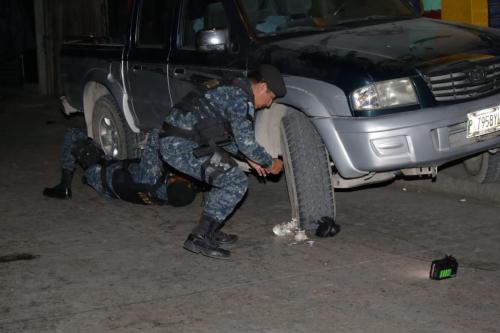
x=469 y=81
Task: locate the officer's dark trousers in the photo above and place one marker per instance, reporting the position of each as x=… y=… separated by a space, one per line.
x=147 y=171
x=227 y=189
x=68 y=162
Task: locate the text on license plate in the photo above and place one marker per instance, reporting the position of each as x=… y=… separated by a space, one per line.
x=483 y=122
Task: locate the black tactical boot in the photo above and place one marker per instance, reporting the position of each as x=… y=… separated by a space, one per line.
x=63 y=189
x=223 y=239
x=202 y=240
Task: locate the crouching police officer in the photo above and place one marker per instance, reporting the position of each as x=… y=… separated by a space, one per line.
x=201 y=133
x=139 y=181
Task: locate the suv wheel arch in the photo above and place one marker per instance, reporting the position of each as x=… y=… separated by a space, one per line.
x=129 y=135
x=267 y=128
x=91 y=93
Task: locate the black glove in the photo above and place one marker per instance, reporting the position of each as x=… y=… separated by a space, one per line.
x=327 y=227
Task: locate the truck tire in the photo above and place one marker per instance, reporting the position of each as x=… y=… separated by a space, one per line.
x=484 y=168
x=308 y=171
x=111 y=131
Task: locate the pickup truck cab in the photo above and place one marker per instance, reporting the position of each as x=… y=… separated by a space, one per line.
x=374 y=90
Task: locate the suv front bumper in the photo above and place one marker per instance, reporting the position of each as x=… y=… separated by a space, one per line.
x=424 y=138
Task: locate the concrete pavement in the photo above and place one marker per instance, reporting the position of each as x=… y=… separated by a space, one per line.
x=454 y=180
x=107 y=266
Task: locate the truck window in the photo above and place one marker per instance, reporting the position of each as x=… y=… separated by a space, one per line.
x=104 y=22
x=152 y=29
x=274 y=17
x=118 y=12
x=197 y=15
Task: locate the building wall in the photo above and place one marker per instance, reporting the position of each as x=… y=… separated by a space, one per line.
x=494 y=13
x=432 y=5
x=468 y=11
x=17 y=43
x=55 y=19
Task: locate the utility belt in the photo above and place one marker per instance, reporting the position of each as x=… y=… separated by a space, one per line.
x=209 y=134
x=126 y=189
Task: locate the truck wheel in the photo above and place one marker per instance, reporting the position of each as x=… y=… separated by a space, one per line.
x=308 y=171
x=111 y=131
x=484 y=168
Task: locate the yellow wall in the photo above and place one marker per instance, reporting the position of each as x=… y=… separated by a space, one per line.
x=468 y=11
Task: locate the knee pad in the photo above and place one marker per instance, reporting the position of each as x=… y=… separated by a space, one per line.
x=86 y=153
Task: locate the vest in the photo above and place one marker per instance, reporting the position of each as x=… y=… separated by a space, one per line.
x=211 y=130
x=126 y=189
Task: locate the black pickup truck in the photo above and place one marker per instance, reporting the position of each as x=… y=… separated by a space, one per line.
x=374 y=90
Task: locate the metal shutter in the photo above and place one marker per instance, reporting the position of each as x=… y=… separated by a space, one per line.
x=494 y=13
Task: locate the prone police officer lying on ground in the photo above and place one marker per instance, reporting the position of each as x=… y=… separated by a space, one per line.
x=201 y=133
x=140 y=181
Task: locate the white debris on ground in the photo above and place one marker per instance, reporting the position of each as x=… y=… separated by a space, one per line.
x=286 y=228
x=291 y=228
x=463 y=200
x=301 y=236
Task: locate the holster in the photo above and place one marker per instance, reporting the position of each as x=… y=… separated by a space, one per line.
x=217 y=164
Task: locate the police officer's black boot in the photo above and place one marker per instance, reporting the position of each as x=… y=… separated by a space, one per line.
x=225 y=240
x=63 y=189
x=202 y=240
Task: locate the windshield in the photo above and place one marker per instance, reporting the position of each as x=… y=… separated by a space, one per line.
x=274 y=17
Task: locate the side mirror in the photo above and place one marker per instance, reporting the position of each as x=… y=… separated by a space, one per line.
x=212 y=40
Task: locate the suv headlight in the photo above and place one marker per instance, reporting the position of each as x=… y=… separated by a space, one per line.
x=384 y=94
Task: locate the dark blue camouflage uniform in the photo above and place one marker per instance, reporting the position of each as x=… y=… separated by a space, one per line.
x=233 y=104
x=147 y=171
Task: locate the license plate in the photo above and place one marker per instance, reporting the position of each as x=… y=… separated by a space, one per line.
x=483 y=122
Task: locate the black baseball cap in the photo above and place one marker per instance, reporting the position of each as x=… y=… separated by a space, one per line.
x=272 y=76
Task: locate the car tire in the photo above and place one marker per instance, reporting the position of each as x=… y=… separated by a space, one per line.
x=308 y=171
x=484 y=168
x=111 y=131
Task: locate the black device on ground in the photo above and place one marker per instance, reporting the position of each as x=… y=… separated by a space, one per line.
x=445 y=268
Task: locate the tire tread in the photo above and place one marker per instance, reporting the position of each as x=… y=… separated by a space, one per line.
x=311 y=169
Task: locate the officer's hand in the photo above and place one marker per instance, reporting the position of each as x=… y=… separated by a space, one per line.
x=277 y=167
x=258 y=168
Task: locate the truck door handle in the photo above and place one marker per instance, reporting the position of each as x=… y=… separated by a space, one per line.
x=150 y=68
x=200 y=79
x=157 y=69
x=179 y=71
